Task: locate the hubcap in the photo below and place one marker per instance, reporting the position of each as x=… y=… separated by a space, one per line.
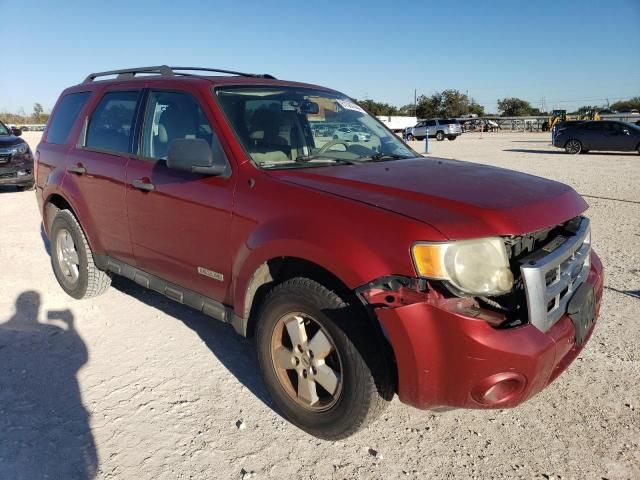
x=306 y=362
x=67 y=255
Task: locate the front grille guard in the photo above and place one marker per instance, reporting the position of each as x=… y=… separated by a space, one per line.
x=551 y=281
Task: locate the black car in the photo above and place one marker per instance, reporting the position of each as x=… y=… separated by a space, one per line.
x=598 y=135
x=16 y=160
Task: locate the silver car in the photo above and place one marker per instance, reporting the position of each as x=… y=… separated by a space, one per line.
x=440 y=128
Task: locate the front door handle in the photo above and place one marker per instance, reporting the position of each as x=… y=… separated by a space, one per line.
x=143 y=184
x=78 y=168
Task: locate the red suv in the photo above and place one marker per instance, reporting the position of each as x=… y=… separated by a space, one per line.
x=362 y=268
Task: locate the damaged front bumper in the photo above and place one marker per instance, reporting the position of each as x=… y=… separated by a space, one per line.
x=448 y=354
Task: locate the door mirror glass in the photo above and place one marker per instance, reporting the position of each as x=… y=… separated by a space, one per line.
x=193 y=155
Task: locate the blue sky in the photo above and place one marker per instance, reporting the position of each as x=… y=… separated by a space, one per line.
x=571 y=52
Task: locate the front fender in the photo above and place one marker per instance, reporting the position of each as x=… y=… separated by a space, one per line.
x=351 y=260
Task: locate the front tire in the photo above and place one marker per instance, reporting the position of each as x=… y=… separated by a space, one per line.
x=319 y=360
x=440 y=136
x=72 y=259
x=573 y=146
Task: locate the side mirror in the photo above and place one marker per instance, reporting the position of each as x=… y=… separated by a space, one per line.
x=194 y=155
x=16 y=131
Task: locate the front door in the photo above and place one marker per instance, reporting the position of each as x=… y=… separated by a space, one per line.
x=179 y=221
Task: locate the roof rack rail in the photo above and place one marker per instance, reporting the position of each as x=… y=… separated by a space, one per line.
x=166 y=71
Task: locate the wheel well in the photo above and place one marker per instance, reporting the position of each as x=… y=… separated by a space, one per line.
x=278 y=270
x=53 y=205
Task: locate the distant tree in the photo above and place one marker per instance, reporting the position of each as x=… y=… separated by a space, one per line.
x=38 y=115
x=407 y=110
x=448 y=103
x=476 y=108
x=514 y=107
x=377 y=108
x=429 y=107
x=627 y=104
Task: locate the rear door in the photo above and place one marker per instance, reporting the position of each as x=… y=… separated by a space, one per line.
x=179 y=221
x=96 y=170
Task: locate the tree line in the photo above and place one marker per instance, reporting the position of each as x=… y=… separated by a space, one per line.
x=38 y=116
x=453 y=103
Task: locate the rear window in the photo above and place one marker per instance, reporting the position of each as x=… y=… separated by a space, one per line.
x=65 y=116
x=110 y=126
x=447 y=121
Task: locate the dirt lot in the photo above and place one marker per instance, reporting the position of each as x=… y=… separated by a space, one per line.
x=131 y=385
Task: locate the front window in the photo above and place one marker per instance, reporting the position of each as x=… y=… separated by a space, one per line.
x=290 y=127
x=4 y=130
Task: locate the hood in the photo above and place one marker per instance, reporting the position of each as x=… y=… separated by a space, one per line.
x=460 y=199
x=9 y=140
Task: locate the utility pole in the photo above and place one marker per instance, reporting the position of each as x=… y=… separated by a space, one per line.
x=415 y=102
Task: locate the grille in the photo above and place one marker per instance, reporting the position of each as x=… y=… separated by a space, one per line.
x=4 y=158
x=551 y=279
x=7 y=175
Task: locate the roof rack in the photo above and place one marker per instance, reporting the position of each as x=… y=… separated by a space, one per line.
x=166 y=71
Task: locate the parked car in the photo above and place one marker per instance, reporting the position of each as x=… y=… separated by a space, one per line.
x=362 y=271
x=581 y=137
x=440 y=128
x=351 y=134
x=16 y=160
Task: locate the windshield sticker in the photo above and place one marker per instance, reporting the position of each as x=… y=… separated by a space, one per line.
x=350 y=105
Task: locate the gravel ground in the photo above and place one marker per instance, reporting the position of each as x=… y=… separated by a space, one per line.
x=132 y=385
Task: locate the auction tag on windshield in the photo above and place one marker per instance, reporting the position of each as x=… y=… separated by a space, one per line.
x=350 y=106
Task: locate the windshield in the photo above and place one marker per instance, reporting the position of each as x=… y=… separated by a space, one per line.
x=291 y=127
x=4 y=130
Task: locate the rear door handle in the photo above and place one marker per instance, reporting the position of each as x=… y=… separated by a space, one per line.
x=143 y=184
x=78 y=168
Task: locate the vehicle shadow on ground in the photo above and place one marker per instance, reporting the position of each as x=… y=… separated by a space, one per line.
x=548 y=142
x=236 y=353
x=560 y=151
x=44 y=427
x=45 y=239
x=8 y=189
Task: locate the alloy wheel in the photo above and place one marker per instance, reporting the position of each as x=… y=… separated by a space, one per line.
x=306 y=361
x=67 y=255
x=573 y=147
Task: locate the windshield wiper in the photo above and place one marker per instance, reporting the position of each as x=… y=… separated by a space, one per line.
x=311 y=158
x=383 y=157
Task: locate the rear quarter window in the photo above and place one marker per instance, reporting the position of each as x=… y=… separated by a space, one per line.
x=65 y=116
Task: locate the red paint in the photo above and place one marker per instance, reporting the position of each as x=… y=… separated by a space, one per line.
x=357 y=222
x=444 y=357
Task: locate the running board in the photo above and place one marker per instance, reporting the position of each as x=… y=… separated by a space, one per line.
x=206 y=305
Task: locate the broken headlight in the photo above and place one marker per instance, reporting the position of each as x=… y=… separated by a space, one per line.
x=473 y=267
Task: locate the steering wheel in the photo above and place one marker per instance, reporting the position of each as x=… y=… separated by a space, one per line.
x=331 y=143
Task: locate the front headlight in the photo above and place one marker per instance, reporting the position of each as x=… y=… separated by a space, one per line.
x=19 y=149
x=475 y=267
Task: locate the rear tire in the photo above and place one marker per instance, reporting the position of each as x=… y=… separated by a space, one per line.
x=440 y=136
x=573 y=146
x=72 y=259
x=359 y=386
